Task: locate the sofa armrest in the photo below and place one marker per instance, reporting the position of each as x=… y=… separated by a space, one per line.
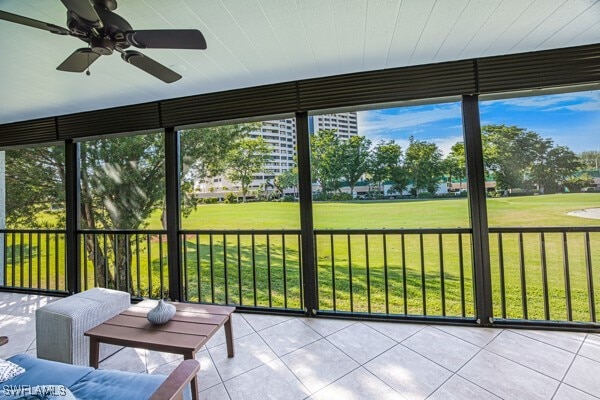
x=172 y=387
x=3 y=340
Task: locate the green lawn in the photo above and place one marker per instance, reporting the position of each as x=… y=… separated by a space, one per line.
x=229 y=275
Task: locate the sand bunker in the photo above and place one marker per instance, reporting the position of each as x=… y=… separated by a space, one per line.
x=593 y=213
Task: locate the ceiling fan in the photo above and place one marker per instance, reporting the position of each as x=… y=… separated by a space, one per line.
x=95 y=23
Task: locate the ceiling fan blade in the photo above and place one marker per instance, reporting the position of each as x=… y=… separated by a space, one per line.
x=79 y=61
x=34 y=23
x=84 y=9
x=150 y=66
x=167 y=39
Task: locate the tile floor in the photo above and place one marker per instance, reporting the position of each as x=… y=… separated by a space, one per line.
x=295 y=358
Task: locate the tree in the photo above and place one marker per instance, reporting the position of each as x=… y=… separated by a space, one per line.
x=400 y=179
x=455 y=164
x=423 y=161
x=247 y=159
x=287 y=179
x=576 y=183
x=355 y=155
x=590 y=159
x=326 y=160
x=384 y=157
x=553 y=165
x=34 y=186
x=508 y=152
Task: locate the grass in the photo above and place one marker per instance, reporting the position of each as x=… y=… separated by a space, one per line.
x=268 y=272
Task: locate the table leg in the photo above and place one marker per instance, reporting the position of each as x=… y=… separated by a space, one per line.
x=94 y=352
x=229 y=337
x=194 y=381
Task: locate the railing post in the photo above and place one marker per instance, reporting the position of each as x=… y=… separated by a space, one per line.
x=478 y=209
x=173 y=215
x=306 y=215
x=72 y=205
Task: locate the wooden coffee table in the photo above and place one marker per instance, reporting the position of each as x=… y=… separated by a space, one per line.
x=185 y=334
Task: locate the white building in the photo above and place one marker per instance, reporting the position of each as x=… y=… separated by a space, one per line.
x=281 y=136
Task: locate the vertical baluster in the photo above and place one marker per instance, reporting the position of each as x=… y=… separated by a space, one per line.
x=269 y=270
x=149 y=266
x=317 y=271
x=523 y=278
x=350 y=273
x=137 y=263
x=39 y=261
x=198 y=269
x=95 y=250
x=284 y=266
x=30 y=259
x=461 y=266
x=567 y=277
x=21 y=266
x=239 y=266
x=333 y=273
x=590 y=277
x=300 y=277
x=104 y=244
x=212 y=268
x=184 y=254
x=254 y=268
x=502 y=283
x=423 y=288
x=385 y=275
x=56 y=265
x=127 y=266
x=161 y=265
x=404 y=285
x=225 y=269
x=442 y=277
x=116 y=240
x=5 y=256
x=368 y=272
x=47 y=260
x=84 y=264
x=13 y=257
x=544 y=276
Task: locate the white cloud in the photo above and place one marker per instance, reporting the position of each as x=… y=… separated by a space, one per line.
x=382 y=124
x=581 y=101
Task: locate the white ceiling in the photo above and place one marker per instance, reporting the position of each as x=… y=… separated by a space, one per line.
x=256 y=42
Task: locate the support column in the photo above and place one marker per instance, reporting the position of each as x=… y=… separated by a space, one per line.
x=2 y=213
x=309 y=279
x=478 y=209
x=173 y=214
x=72 y=203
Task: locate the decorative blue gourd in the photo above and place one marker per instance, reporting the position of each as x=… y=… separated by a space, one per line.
x=162 y=313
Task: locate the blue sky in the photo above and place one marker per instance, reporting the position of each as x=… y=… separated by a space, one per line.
x=571 y=120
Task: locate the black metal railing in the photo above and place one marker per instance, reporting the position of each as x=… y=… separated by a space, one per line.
x=545 y=273
x=134 y=261
x=247 y=268
x=34 y=259
x=396 y=272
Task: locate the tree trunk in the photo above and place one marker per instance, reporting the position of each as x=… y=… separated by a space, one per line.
x=103 y=275
x=122 y=250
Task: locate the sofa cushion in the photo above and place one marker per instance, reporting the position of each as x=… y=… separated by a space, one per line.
x=110 y=385
x=43 y=372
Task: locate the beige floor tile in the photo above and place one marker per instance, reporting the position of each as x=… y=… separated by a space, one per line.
x=441 y=347
x=409 y=373
x=361 y=342
x=319 y=364
x=508 y=379
x=272 y=381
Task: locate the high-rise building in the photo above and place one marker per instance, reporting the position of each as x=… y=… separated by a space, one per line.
x=281 y=136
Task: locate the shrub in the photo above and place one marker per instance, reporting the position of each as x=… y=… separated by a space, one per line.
x=424 y=195
x=341 y=197
x=288 y=198
x=231 y=198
